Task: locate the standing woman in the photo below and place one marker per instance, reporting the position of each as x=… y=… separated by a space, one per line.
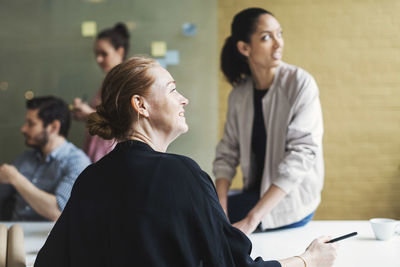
x=111 y=48
x=273 y=130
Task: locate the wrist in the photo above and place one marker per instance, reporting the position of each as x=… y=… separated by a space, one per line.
x=253 y=218
x=307 y=257
x=16 y=180
x=303 y=260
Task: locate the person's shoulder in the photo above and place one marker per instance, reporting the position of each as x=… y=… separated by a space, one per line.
x=292 y=73
x=27 y=154
x=183 y=163
x=187 y=167
x=24 y=157
x=72 y=153
x=242 y=87
x=75 y=151
x=183 y=174
x=294 y=80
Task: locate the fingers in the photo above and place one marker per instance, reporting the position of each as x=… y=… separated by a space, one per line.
x=324 y=238
x=321 y=253
x=77 y=101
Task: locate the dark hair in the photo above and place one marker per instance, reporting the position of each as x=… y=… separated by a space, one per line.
x=118 y=37
x=51 y=109
x=114 y=116
x=233 y=64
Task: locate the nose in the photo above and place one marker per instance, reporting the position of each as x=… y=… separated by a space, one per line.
x=23 y=128
x=185 y=101
x=99 y=59
x=278 y=42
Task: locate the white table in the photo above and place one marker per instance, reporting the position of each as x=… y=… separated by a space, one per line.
x=359 y=251
x=362 y=250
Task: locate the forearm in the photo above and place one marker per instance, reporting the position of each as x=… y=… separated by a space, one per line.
x=42 y=202
x=268 y=201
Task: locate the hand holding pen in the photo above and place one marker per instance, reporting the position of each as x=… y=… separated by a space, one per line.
x=322 y=252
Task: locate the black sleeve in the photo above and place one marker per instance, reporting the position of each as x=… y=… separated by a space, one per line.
x=233 y=246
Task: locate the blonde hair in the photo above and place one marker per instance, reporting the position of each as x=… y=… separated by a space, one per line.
x=114 y=116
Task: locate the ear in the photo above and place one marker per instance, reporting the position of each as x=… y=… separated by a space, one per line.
x=121 y=51
x=139 y=104
x=54 y=127
x=243 y=48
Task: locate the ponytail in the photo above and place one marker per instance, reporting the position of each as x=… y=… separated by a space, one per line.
x=233 y=64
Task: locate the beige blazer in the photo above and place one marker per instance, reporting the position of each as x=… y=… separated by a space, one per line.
x=294 y=159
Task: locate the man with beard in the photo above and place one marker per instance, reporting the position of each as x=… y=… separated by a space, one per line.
x=38 y=184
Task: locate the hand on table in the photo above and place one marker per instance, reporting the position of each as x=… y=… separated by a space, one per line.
x=247 y=225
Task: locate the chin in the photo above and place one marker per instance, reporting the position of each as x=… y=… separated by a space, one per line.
x=32 y=145
x=183 y=130
x=27 y=143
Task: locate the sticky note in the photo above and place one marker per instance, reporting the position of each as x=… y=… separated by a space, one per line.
x=172 y=57
x=131 y=25
x=3 y=86
x=89 y=28
x=158 y=49
x=189 y=29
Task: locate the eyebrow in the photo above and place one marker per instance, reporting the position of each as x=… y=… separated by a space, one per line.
x=262 y=32
x=171 y=82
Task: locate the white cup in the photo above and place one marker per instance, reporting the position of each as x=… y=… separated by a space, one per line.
x=384 y=228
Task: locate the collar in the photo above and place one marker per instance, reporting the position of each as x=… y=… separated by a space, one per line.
x=250 y=84
x=53 y=154
x=135 y=143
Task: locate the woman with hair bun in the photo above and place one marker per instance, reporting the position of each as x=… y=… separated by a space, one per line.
x=110 y=49
x=141 y=206
x=273 y=130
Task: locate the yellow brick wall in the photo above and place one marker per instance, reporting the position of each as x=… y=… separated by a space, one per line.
x=352 y=48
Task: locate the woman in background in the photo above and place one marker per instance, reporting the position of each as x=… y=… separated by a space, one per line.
x=141 y=206
x=110 y=49
x=273 y=130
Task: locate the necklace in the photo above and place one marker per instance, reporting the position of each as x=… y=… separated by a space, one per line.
x=142 y=138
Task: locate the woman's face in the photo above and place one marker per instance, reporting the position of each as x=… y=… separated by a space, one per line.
x=106 y=55
x=266 y=43
x=167 y=114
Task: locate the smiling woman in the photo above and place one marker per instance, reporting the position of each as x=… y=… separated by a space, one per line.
x=148 y=107
x=139 y=203
x=164 y=110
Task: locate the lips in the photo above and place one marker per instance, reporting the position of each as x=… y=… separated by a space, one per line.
x=182 y=114
x=277 y=55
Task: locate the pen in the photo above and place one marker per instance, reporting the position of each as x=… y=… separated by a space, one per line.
x=342 y=237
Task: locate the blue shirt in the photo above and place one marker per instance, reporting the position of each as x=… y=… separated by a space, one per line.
x=55 y=174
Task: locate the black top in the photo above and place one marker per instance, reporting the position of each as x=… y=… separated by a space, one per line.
x=258 y=141
x=139 y=207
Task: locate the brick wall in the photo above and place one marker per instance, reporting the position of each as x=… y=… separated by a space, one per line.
x=352 y=48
